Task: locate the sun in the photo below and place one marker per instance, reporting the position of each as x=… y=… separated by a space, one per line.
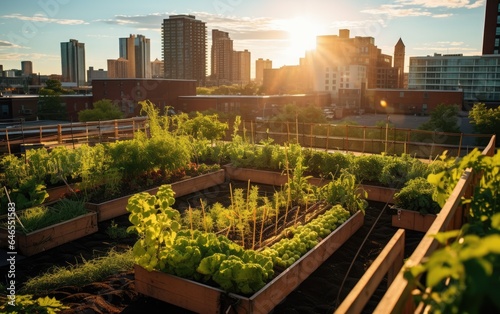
x=302 y=33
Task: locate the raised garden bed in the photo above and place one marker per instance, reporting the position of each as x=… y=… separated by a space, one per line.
x=58 y=192
x=117 y=207
x=31 y=243
x=375 y=193
x=412 y=220
x=206 y=299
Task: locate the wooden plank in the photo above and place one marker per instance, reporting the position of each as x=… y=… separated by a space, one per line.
x=379 y=193
x=399 y=293
x=412 y=220
x=256 y=176
x=276 y=291
x=193 y=296
x=366 y=286
x=173 y=290
x=52 y=236
x=118 y=206
x=199 y=183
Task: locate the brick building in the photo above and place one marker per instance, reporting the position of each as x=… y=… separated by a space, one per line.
x=127 y=93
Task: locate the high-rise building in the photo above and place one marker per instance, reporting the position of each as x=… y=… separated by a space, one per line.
x=399 y=62
x=260 y=66
x=472 y=74
x=241 y=67
x=118 y=68
x=221 y=57
x=157 y=68
x=340 y=62
x=184 y=48
x=73 y=62
x=27 y=68
x=136 y=49
x=491 y=35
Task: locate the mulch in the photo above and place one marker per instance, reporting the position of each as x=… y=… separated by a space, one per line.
x=320 y=293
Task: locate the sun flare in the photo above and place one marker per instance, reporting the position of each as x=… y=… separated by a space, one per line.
x=302 y=34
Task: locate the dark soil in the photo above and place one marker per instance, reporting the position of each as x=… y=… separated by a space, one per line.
x=320 y=293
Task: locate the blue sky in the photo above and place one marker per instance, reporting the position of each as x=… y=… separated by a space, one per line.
x=274 y=29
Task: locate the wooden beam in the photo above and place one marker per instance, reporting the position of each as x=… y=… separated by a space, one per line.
x=389 y=260
x=399 y=293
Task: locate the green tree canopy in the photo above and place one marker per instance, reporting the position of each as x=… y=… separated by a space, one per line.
x=304 y=114
x=54 y=87
x=51 y=107
x=103 y=110
x=485 y=120
x=444 y=118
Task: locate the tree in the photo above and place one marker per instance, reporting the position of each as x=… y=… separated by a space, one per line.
x=485 y=121
x=103 y=110
x=444 y=118
x=51 y=107
x=54 y=87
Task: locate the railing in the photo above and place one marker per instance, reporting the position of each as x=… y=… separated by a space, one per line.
x=364 y=139
x=331 y=137
x=397 y=298
x=23 y=136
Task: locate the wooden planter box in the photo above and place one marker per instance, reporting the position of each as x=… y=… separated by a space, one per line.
x=379 y=193
x=256 y=176
x=117 y=207
x=58 y=192
x=201 y=298
x=412 y=220
x=375 y=193
x=43 y=239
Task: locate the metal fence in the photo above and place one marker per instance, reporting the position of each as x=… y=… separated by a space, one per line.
x=364 y=139
x=331 y=137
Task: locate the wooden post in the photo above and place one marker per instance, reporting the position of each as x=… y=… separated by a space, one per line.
x=59 y=134
x=327 y=136
x=116 y=129
x=346 y=144
x=460 y=144
x=87 y=131
x=41 y=134
x=8 y=142
x=251 y=131
x=311 y=136
x=364 y=137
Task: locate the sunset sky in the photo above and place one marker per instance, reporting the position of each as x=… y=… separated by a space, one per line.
x=273 y=29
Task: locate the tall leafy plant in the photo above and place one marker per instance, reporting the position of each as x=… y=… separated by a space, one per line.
x=464 y=275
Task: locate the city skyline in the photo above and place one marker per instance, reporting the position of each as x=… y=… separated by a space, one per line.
x=276 y=30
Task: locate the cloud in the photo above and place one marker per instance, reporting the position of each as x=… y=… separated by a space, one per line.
x=41 y=18
x=406 y=8
x=447 y=47
x=28 y=56
x=393 y=10
x=7 y=44
x=449 y=4
x=243 y=28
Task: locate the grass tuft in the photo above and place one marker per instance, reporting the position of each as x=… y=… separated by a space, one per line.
x=78 y=275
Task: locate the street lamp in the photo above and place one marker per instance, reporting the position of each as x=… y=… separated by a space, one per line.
x=383 y=104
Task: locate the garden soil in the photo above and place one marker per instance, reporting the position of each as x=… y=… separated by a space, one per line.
x=320 y=293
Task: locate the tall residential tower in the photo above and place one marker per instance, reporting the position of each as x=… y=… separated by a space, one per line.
x=491 y=36
x=136 y=49
x=184 y=48
x=221 y=57
x=73 y=62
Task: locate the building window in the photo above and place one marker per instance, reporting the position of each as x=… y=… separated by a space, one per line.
x=327 y=82
x=327 y=88
x=401 y=94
